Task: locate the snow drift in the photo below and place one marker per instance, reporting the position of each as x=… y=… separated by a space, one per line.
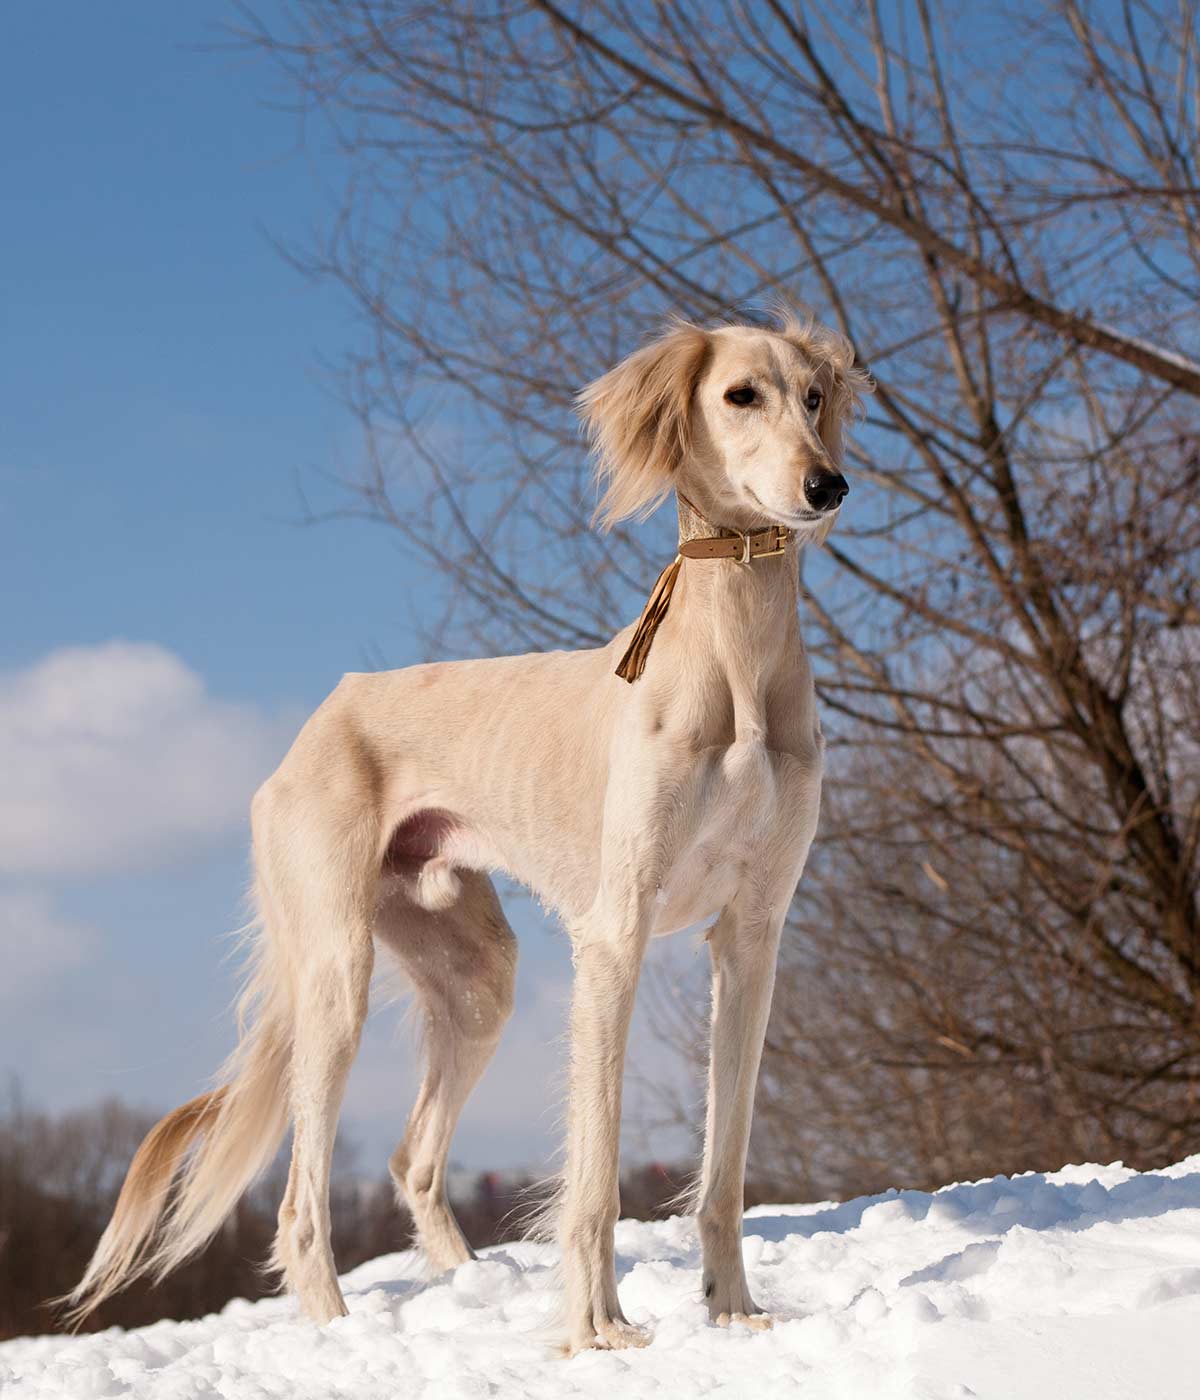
x=1081 y=1283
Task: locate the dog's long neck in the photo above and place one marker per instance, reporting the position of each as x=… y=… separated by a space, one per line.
x=736 y=625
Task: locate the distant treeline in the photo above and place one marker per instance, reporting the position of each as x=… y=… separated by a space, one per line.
x=59 y=1178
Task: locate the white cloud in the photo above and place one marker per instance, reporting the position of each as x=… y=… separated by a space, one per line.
x=115 y=756
x=37 y=943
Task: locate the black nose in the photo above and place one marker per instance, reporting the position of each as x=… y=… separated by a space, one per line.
x=826 y=490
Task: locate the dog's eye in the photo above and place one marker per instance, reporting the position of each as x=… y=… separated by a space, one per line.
x=742 y=395
x=813 y=400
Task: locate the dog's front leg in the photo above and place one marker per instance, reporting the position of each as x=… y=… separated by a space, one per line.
x=743 y=948
x=608 y=956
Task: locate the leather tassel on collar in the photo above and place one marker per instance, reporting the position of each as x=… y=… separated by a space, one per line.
x=633 y=663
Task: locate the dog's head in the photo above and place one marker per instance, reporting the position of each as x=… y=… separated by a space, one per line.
x=746 y=422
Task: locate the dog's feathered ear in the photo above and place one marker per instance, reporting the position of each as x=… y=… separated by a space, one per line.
x=639 y=421
x=849 y=384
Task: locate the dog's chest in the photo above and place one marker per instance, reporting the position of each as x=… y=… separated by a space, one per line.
x=740 y=833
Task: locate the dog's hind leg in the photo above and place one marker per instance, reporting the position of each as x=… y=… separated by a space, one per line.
x=318 y=876
x=462 y=963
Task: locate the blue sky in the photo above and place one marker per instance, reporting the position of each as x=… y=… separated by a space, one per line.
x=168 y=620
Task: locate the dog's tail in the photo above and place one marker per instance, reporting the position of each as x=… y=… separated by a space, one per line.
x=196 y=1163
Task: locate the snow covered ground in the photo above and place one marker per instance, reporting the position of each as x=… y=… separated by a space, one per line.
x=1084 y=1283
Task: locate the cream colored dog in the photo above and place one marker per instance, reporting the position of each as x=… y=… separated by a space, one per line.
x=632 y=809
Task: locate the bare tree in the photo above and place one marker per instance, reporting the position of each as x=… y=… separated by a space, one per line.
x=999 y=205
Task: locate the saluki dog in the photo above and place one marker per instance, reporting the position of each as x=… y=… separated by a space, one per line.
x=685 y=786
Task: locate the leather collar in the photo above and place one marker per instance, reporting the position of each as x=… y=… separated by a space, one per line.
x=733 y=544
x=760 y=544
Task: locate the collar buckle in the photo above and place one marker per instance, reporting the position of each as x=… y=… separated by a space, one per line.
x=782 y=536
x=777 y=536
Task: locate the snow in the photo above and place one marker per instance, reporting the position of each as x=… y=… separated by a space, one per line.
x=1080 y=1283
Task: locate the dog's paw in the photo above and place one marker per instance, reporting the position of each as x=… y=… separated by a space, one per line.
x=616 y=1336
x=760 y=1321
x=729 y=1301
x=613 y=1335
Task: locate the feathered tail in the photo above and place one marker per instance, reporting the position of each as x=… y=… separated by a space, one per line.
x=197 y=1162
